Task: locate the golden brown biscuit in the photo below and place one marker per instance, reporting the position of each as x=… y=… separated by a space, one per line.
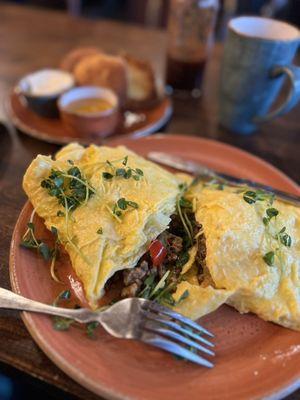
x=103 y=70
x=141 y=90
x=72 y=58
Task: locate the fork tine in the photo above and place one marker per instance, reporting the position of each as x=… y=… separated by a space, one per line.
x=180 y=351
x=176 y=336
x=179 y=328
x=164 y=310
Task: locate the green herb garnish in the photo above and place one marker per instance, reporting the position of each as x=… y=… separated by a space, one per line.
x=29 y=241
x=61 y=323
x=182 y=259
x=266 y=221
x=122 y=204
x=185 y=203
x=162 y=292
x=125 y=172
x=182 y=187
x=70 y=188
x=90 y=329
x=249 y=197
x=64 y=295
x=184 y=295
x=272 y=212
x=252 y=197
x=182 y=206
x=107 y=175
x=285 y=238
x=121 y=172
x=269 y=258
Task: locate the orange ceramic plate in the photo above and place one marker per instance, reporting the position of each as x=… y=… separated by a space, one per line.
x=254 y=359
x=136 y=124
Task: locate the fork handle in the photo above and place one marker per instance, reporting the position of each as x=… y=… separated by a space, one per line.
x=14 y=301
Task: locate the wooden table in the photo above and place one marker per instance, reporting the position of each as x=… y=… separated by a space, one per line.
x=31 y=39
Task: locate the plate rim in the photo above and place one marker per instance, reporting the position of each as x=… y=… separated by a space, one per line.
x=39 y=135
x=218 y=143
x=74 y=373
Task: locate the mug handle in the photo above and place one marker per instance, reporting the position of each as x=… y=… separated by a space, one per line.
x=293 y=96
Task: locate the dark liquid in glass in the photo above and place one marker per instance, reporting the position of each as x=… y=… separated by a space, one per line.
x=184 y=75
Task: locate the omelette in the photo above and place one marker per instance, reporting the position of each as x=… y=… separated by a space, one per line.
x=106 y=204
x=252 y=255
x=189 y=245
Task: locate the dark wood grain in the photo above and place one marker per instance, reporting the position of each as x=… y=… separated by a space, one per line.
x=30 y=39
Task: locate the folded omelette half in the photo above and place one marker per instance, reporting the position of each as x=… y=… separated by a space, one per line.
x=251 y=257
x=107 y=205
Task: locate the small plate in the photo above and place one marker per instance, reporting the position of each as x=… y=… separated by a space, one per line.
x=254 y=359
x=134 y=123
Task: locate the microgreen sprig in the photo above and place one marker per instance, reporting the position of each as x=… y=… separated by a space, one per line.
x=29 y=241
x=69 y=187
x=252 y=197
x=122 y=205
x=71 y=190
x=162 y=292
x=63 y=324
x=282 y=237
x=182 y=206
x=124 y=172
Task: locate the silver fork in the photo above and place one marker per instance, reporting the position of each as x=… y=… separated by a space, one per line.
x=133 y=318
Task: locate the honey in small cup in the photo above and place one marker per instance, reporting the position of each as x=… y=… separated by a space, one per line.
x=90 y=110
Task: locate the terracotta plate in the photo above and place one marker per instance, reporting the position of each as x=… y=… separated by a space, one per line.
x=134 y=123
x=254 y=359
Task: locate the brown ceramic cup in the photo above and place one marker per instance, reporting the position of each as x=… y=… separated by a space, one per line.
x=100 y=123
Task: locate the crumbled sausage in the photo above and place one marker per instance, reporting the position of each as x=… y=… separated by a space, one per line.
x=131 y=290
x=138 y=273
x=172 y=239
x=201 y=257
x=173 y=244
